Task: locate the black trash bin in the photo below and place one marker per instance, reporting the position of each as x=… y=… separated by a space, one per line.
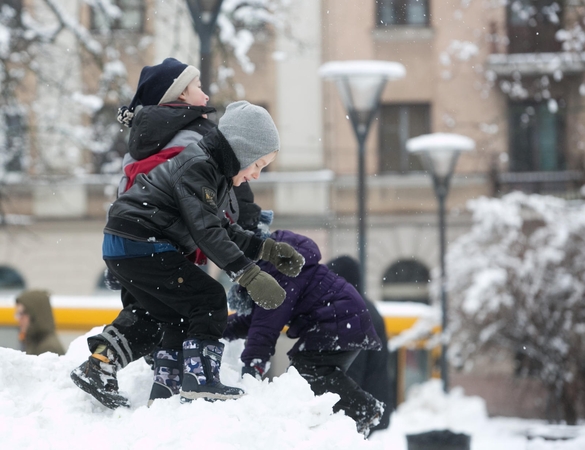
x=438 y=440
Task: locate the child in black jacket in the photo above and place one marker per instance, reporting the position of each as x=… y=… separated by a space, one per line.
x=164 y=217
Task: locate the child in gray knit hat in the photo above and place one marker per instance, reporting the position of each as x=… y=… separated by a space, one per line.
x=171 y=212
x=168 y=112
x=250 y=132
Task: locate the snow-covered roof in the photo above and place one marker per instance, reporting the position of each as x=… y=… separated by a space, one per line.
x=386 y=69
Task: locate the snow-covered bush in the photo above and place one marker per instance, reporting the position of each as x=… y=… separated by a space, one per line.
x=517 y=282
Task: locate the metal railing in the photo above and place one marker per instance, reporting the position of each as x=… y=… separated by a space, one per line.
x=566 y=184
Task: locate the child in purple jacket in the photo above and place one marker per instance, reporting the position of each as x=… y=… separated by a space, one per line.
x=330 y=320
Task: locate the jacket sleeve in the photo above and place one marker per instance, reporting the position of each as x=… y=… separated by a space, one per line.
x=196 y=194
x=247 y=241
x=237 y=327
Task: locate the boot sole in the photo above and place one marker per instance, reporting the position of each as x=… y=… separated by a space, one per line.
x=159 y=391
x=107 y=399
x=188 y=397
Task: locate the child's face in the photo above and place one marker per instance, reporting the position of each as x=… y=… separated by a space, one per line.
x=193 y=95
x=252 y=172
x=22 y=317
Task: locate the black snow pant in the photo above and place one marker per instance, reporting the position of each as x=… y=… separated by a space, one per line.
x=133 y=333
x=175 y=292
x=326 y=372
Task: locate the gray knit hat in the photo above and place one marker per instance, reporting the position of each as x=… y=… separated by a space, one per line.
x=250 y=131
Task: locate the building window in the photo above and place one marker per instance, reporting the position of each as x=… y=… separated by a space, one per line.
x=13 y=144
x=533 y=24
x=536 y=137
x=131 y=17
x=402 y=12
x=406 y=280
x=398 y=123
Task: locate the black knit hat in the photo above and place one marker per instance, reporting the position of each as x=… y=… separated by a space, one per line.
x=347 y=267
x=159 y=84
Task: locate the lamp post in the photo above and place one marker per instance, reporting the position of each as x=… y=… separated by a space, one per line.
x=360 y=85
x=439 y=153
x=204 y=14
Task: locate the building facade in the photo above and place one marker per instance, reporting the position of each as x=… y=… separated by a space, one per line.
x=507 y=76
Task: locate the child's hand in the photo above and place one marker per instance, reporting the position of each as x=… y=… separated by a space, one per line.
x=257 y=369
x=111 y=281
x=284 y=257
x=263 y=289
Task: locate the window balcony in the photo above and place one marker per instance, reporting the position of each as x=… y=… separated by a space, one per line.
x=565 y=184
x=535 y=64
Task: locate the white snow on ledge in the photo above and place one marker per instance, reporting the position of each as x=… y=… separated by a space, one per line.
x=296 y=177
x=405 y=309
x=72 y=301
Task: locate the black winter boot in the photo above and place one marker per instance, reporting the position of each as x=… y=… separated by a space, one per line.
x=97 y=377
x=168 y=374
x=202 y=361
x=358 y=404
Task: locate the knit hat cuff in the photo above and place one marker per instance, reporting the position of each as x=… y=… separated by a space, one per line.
x=179 y=85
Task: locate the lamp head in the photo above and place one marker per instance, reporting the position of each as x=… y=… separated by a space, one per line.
x=440 y=151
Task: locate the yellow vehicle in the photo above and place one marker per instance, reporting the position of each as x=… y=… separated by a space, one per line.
x=412 y=329
x=74 y=316
x=412 y=362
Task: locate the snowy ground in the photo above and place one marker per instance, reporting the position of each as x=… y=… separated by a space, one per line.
x=40 y=408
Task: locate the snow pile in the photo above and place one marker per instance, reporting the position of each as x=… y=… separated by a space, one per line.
x=428 y=408
x=41 y=408
x=40 y=404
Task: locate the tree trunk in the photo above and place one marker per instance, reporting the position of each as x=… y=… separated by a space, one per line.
x=568 y=403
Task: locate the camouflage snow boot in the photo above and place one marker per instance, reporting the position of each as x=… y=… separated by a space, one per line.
x=97 y=377
x=168 y=374
x=202 y=361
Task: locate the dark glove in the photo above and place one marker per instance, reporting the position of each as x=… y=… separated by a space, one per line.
x=256 y=369
x=263 y=289
x=285 y=258
x=111 y=281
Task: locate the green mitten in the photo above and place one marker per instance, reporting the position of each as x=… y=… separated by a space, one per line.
x=263 y=289
x=284 y=257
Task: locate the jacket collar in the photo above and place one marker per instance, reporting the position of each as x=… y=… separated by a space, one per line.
x=220 y=150
x=154 y=126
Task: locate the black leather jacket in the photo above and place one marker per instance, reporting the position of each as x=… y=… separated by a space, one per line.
x=179 y=201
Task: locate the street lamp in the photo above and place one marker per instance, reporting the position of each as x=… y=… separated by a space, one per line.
x=439 y=153
x=204 y=14
x=360 y=85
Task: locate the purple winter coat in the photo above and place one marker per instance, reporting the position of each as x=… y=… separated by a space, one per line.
x=324 y=311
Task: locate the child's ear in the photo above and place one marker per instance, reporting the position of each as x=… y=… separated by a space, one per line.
x=183 y=94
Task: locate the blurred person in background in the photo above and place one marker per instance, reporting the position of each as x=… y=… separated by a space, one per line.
x=36 y=323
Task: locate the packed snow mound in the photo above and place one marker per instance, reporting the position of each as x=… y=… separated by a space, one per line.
x=429 y=408
x=40 y=407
